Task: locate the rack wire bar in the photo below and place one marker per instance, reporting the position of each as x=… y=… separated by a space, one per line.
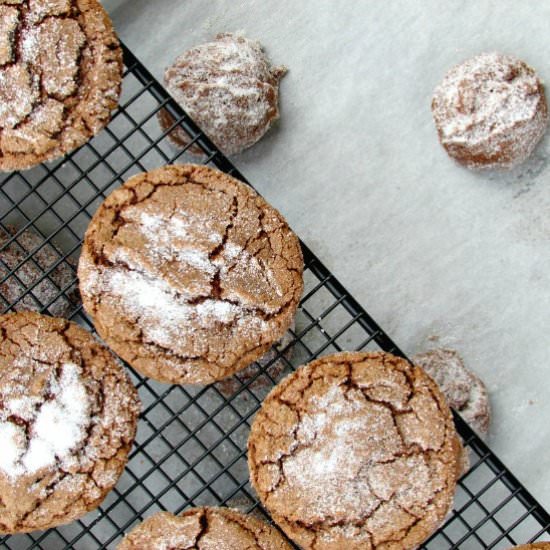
x=191 y=444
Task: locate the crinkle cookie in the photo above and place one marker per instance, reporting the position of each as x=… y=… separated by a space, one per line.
x=465 y=391
x=60 y=77
x=204 y=529
x=355 y=451
x=189 y=275
x=68 y=416
x=533 y=546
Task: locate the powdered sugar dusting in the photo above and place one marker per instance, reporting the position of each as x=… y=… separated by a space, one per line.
x=162 y=230
x=54 y=44
x=55 y=426
x=338 y=440
x=229 y=88
x=164 y=531
x=205 y=528
x=166 y=313
x=165 y=303
x=30 y=45
x=177 y=540
x=491 y=104
x=197 y=259
x=188 y=275
x=328 y=455
x=337 y=415
x=463 y=389
x=47 y=73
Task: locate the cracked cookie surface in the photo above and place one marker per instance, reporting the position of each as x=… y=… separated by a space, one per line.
x=273 y=364
x=229 y=88
x=60 y=77
x=465 y=391
x=204 y=529
x=490 y=111
x=355 y=450
x=533 y=546
x=189 y=275
x=68 y=416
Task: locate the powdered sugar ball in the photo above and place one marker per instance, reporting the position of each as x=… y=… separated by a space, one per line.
x=490 y=111
x=194 y=277
x=229 y=88
x=60 y=77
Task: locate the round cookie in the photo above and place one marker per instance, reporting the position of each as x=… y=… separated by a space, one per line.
x=465 y=392
x=490 y=111
x=60 y=77
x=189 y=275
x=68 y=418
x=204 y=528
x=228 y=88
x=355 y=450
x=30 y=275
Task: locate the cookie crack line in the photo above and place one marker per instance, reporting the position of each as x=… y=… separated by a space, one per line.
x=204 y=527
x=413 y=449
x=66 y=64
x=221 y=247
x=330 y=521
x=50 y=491
x=192 y=358
x=253 y=532
x=23 y=27
x=189 y=234
x=118 y=211
x=120 y=222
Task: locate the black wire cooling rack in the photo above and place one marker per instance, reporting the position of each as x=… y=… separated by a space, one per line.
x=191 y=443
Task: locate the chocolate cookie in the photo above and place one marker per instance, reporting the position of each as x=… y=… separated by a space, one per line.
x=68 y=417
x=189 y=275
x=533 y=546
x=60 y=76
x=228 y=88
x=22 y=288
x=465 y=392
x=490 y=111
x=355 y=450
x=204 y=529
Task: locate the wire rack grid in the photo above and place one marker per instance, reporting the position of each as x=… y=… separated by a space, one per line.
x=191 y=444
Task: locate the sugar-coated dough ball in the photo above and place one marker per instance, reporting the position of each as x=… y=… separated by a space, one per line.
x=490 y=111
x=229 y=88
